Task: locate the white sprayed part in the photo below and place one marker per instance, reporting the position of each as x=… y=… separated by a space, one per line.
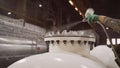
x=68 y=47
x=70 y=38
x=56 y=60
x=63 y=55
x=105 y=54
x=81 y=48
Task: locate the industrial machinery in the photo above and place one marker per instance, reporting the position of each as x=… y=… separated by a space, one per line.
x=68 y=49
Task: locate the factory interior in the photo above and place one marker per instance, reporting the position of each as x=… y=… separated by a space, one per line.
x=53 y=34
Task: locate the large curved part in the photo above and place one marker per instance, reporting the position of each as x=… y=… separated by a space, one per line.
x=56 y=60
x=105 y=54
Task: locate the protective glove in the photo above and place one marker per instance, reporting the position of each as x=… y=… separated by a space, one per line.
x=90 y=17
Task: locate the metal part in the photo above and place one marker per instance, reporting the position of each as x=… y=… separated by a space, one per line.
x=14 y=28
x=89 y=11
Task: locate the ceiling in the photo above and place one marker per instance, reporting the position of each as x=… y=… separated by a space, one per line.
x=49 y=13
x=44 y=13
x=53 y=14
x=107 y=7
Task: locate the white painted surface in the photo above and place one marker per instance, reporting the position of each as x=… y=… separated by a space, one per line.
x=56 y=60
x=105 y=54
x=63 y=55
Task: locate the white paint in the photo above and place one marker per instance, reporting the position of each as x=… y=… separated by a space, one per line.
x=105 y=54
x=63 y=55
x=48 y=60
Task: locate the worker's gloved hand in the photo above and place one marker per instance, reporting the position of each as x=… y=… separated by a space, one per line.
x=90 y=17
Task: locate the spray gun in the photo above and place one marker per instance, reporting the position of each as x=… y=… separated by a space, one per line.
x=91 y=11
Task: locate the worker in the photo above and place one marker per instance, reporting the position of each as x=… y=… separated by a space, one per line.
x=107 y=21
x=92 y=18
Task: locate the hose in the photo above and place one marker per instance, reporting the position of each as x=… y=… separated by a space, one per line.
x=117 y=58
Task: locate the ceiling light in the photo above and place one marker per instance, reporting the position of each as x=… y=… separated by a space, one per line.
x=80 y=13
x=9 y=13
x=107 y=28
x=71 y=2
x=40 y=5
x=76 y=8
